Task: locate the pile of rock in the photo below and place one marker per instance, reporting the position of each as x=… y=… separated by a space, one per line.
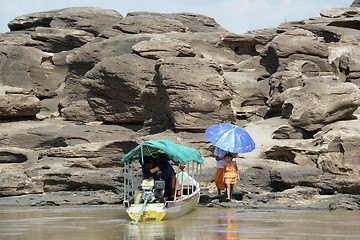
x=82 y=86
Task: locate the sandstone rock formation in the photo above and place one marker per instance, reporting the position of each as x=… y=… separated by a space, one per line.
x=80 y=87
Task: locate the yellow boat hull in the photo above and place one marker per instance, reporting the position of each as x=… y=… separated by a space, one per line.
x=163 y=211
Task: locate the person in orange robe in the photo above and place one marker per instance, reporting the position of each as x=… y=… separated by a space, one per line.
x=231 y=175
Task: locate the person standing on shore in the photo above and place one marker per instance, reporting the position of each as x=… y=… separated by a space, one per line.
x=219 y=175
x=231 y=175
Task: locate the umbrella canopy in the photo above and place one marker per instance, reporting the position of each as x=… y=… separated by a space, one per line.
x=178 y=153
x=230 y=138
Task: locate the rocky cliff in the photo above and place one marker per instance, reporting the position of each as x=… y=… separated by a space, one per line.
x=80 y=87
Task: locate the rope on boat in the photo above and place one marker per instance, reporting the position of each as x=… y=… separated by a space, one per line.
x=141 y=211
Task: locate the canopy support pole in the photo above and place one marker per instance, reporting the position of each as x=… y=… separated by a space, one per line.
x=124 y=170
x=192 y=182
x=182 y=183
x=197 y=172
x=176 y=184
x=137 y=176
x=132 y=179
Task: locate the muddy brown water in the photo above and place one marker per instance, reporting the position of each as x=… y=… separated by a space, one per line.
x=111 y=222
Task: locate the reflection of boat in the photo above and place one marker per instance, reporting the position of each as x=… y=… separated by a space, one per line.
x=144 y=205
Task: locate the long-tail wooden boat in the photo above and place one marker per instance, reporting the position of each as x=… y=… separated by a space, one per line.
x=141 y=204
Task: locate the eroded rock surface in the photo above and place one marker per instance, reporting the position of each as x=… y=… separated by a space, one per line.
x=80 y=87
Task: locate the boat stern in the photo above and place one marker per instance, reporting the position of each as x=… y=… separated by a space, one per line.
x=151 y=212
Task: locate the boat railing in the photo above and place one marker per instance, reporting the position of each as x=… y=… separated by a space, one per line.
x=189 y=178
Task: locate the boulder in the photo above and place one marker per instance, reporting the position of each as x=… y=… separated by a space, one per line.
x=249 y=94
x=334 y=25
x=189 y=101
x=58 y=39
x=292 y=42
x=89 y=19
x=17 y=103
x=30 y=69
x=340 y=13
x=47 y=39
x=163 y=47
x=295 y=71
x=55 y=133
x=60 y=30
x=348 y=63
x=301 y=153
x=114 y=87
x=20 y=38
x=287 y=177
x=296 y=42
x=290 y=132
x=134 y=24
x=63 y=198
x=89 y=155
x=59 y=177
x=73 y=95
x=339 y=147
x=148 y=22
x=312 y=106
x=250 y=43
x=209 y=45
x=16 y=183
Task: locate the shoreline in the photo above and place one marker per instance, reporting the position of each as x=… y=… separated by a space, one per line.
x=207 y=200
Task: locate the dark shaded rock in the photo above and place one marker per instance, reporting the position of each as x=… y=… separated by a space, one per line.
x=290 y=132
x=204 y=199
x=10 y=157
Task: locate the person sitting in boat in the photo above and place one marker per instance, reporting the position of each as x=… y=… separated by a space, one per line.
x=159 y=167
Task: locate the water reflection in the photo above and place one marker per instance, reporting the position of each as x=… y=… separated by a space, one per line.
x=111 y=222
x=228 y=226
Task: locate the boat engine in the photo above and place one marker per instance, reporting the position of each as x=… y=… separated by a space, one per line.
x=152 y=190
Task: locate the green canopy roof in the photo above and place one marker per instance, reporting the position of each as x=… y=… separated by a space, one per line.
x=178 y=153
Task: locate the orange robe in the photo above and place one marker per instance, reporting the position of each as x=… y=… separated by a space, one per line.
x=219 y=179
x=230 y=175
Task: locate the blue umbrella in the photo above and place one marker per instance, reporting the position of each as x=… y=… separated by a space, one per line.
x=230 y=138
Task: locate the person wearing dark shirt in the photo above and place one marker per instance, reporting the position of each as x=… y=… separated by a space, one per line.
x=159 y=167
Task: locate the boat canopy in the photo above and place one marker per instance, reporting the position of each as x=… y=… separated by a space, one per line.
x=178 y=153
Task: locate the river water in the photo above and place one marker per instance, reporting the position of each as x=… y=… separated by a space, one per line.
x=111 y=222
